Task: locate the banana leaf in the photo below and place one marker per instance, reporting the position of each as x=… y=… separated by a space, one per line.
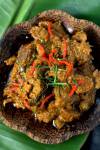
x=16 y=11
x=12 y=140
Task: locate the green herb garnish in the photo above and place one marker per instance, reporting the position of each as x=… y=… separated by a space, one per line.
x=58 y=84
x=55 y=70
x=50 y=79
x=41 y=66
x=74 y=81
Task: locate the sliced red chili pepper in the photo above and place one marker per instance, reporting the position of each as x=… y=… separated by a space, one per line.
x=74 y=88
x=33 y=64
x=68 y=64
x=51 y=58
x=26 y=104
x=53 y=51
x=45 y=100
x=32 y=69
x=50 y=29
x=46 y=60
x=70 y=68
x=62 y=62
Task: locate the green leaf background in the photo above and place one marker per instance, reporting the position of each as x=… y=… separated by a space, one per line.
x=16 y=11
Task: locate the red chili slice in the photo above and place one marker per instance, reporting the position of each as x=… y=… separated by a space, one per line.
x=26 y=104
x=68 y=64
x=74 y=88
x=51 y=58
x=45 y=100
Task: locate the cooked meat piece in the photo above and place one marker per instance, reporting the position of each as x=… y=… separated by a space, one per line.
x=86 y=85
x=56 y=42
x=68 y=116
x=81 y=51
x=96 y=75
x=27 y=50
x=87 y=69
x=37 y=89
x=10 y=61
x=61 y=74
x=80 y=36
x=60 y=100
x=22 y=60
x=43 y=24
x=65 y=116
x=39 y=33
x=45 y=116
x=87 y=100
x=56 y=27
x=14 y=72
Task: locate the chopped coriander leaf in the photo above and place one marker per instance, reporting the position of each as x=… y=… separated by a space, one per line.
x=74 y=81
x=50 y=79
x=58 y=84
x=55 y=70
x=41 y=66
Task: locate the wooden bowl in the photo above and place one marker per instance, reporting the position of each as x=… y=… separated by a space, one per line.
x=23 y=120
